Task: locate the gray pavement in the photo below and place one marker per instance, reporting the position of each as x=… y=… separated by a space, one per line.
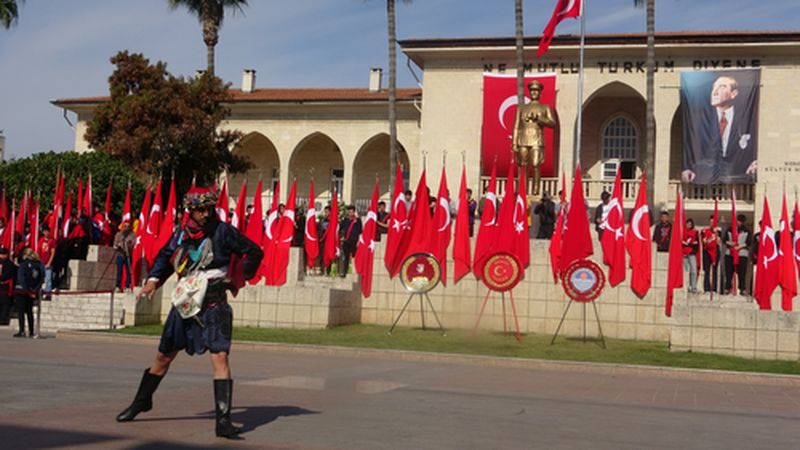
x=65 y=392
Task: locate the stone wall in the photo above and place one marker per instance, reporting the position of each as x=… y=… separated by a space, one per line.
x=304 y=302
x=539 y=302
x=81 y=312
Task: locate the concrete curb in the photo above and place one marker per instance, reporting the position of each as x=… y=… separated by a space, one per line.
x=472 y=360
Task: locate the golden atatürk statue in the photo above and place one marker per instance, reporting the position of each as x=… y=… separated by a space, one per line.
x=528 y=139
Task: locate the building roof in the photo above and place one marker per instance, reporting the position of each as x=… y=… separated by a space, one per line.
x=416 y=49
x=289 y=95
x=671 y=37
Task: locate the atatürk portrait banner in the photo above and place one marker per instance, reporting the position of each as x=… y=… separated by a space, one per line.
x=720 y=126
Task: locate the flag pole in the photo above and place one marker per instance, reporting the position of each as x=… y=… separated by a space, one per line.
x=578 y=129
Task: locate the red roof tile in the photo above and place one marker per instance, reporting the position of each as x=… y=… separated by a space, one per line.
x=291 y=95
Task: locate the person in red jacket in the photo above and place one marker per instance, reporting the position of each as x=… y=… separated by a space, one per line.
x=691 y=243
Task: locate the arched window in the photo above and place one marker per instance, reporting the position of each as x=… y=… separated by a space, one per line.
x=619 y=144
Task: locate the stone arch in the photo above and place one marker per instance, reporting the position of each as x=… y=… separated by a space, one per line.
x=319 y=156
x=373 y=159
x=263 y=154
x=608 y=102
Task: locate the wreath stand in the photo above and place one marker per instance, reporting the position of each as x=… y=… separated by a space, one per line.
x=420 y=273
x=501 y=273
x=583 y=281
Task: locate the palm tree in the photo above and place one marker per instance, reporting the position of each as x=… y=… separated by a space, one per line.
x=210 y=14
x=392 y=32
x=9 y=12
x=519 y=35
x=650 y=121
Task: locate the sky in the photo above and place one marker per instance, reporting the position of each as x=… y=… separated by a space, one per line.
x=61 y=48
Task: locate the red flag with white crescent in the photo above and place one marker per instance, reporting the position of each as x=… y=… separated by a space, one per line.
x=153 y=227
x=767 y=269
x=521 y=228
x=675 y=266
x=613 y=243
x=270 y=231
x=275 y=274
x=442 y=224
x=237 y=220
x=462 y=260
x=365 y=251
x=126 y=209
x=565 y=9
x=796 y=236
x=168 y=220
x=141 y=231
x=311 y=241
x=222 y=202
x=637 y=242
x=255 y=225
x=577 y=241
x=786 y=273
x=499 y=115
x=398 y=225
x=488 y=225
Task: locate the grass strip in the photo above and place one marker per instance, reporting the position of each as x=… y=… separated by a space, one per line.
x=533 y=346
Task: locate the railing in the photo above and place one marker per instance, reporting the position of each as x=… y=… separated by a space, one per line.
x=592 y=189
x=745 y=193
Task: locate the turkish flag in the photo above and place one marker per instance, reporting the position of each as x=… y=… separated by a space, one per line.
x=767 y=268
x=488 y=225
x=461 y=250
x=499 y=115
x=78 y=198
x=420 y=239
x=398 y=225
x=675 y=266
x=505 y=238
x=786 y=273
x=331 y=250
x=270 y=230
x=237 y=220
x=222 y=202
x=365 y=251
x=282 y=240
x=88 y=210
x=153 y=227
x=311 y=241
x=637 y=242
x=613 y=232
x=4 y=205
x=521 y=229
x=577 y=241
x=140 y=230
x=168 y=221
x=255 y=225
x=34 y=236
x=796 y=237
x=556 y=239
x=565 y=9
x=442 y=226
x=126 y=207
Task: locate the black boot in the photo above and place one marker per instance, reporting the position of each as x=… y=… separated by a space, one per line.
x=223 y=394
x=144 y=397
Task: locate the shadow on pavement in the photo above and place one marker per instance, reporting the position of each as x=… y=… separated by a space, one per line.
x=251 y=417
x=15 y=436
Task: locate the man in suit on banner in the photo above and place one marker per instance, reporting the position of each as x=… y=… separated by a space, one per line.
x=720 y=139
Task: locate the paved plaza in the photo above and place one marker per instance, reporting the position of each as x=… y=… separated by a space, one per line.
x=65 y=392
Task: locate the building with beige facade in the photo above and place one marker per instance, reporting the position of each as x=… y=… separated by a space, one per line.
x=339 y=136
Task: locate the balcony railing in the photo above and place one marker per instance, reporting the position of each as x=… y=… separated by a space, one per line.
x=591 y=188
x=696 y=194
x=745 y=193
